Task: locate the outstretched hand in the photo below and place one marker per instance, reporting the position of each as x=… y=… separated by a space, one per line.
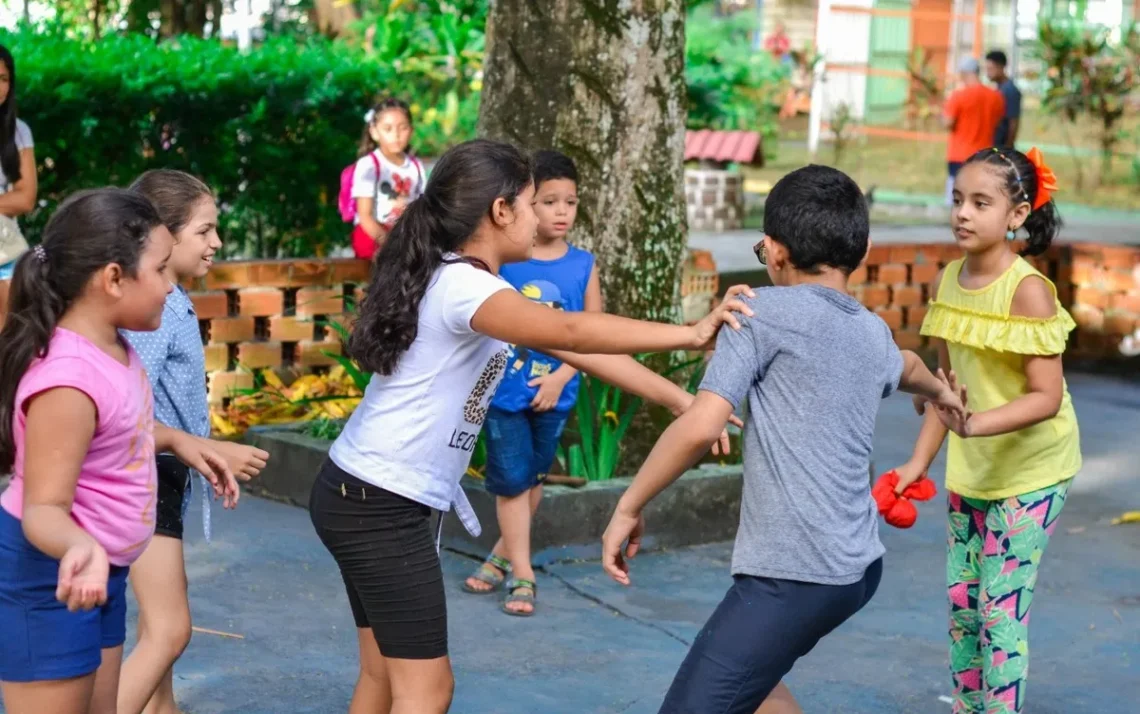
x=705 y=331
x=951 y=405
x=625 y=529
x=200 y=455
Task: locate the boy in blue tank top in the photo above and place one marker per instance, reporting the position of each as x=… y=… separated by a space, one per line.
x=537 y=393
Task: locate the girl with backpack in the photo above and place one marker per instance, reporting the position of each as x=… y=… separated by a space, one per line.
x=384 y=180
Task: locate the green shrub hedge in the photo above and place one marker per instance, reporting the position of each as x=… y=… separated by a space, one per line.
x=270 y=130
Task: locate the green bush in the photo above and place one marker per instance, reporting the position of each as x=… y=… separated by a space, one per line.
x=270 y=130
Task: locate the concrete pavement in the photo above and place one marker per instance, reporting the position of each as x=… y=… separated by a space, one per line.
x=595 y=647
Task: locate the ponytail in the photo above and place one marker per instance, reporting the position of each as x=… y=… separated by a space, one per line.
x=463 y=187
x=89 y=231
x=1043 y=226
x=33 y=312
x=403 y=267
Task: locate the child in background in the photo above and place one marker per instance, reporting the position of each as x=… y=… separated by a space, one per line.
x=534 y=399
x=76 y=419
x=814 y=366
x=175 y=364
x=997 y=323
x=387 y=177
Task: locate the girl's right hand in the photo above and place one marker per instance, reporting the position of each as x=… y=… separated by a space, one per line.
x=908 y=474
x=83 y=573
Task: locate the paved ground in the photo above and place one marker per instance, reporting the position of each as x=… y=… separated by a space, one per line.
x=598 y=648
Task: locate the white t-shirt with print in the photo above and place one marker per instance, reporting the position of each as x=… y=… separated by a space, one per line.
x=415 y=430
x=23 y=141
x=406 y=181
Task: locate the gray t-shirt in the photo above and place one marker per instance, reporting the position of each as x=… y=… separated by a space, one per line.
x=23 y=141
x=814 y=365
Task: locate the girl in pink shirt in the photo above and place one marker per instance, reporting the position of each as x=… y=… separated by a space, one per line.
x=77 y=431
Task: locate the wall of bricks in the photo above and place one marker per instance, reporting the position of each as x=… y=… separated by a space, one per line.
x=1098 y=284
x=275 y=314
x=260 y=314
x=714 y=200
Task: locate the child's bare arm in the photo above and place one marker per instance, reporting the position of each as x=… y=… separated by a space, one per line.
x=52 y=466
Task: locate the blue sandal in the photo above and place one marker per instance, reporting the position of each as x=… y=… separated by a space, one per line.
x=513 y=586
x=487 y=573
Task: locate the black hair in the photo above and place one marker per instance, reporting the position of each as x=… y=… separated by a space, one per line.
x=463 y=186
x=174 y=195
x=553 y=165
x=367 y=143
x=89 y=231
x=9 y=153
x=1019 y=181
x=819 y=214
x=998 y=57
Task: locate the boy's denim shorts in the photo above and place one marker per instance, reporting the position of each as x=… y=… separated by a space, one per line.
x=521 y=447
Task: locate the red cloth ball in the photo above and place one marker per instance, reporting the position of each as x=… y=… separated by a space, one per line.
x=897 y=510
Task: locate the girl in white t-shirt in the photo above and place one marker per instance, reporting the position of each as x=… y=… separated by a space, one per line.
x=17 y=176
x=386 y=178
x=433 y=329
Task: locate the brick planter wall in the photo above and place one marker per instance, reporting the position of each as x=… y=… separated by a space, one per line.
x=714 y=200
x=260 y=314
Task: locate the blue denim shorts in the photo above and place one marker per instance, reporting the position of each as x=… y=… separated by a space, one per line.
x=42 y=640
x=520 y=448
x=7 y=269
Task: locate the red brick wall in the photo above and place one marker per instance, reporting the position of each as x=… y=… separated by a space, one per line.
x=271 y=314
x=1098 y=284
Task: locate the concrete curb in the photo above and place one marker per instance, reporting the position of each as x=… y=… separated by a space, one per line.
x=702 y=507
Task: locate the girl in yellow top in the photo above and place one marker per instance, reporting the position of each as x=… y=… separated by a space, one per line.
x=998 y=325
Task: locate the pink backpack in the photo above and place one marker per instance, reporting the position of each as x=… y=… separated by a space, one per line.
x=345 y=202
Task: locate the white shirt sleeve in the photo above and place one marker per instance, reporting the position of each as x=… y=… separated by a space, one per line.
x=364 y=178
x=23 y=136
x=465 y=291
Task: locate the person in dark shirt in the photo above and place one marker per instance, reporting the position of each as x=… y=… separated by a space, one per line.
x=1006 y=133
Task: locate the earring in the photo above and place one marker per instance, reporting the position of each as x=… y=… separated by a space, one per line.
x=1010 y=235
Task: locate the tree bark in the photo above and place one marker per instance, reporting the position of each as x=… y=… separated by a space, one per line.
x=603 y=82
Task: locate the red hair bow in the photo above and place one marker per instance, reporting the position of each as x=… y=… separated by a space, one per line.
x=1046 y=179
x=898 y=510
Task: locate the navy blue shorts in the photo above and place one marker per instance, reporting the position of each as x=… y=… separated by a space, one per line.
x=756 y=634
x=520 y=448
x=42 y=640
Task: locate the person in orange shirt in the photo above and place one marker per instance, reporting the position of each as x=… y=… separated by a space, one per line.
x=971 y=114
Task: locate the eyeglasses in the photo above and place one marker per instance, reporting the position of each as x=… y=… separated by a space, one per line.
x=761 y=252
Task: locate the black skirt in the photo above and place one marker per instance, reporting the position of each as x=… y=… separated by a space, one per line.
x=385 y=548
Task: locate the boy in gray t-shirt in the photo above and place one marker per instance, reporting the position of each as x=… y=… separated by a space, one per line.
x=813 y=365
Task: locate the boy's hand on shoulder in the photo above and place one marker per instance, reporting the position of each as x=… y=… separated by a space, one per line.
x=705 y=331
x=246 y=462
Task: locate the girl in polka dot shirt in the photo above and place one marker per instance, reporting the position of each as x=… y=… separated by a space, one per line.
x=175 y=364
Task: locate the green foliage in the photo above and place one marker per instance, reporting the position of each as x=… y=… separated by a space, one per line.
x=270 y=130
x=731 y=85
x=1090 y=72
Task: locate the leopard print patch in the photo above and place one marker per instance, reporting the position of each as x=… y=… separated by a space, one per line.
x=475 y=408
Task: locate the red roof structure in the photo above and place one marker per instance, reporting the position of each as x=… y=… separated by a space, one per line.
x=739 y=147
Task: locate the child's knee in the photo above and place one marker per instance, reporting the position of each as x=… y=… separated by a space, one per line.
x=170 y=634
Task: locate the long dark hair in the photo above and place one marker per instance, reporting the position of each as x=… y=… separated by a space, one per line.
x=9 y=154
x=463 y=187
x=1020 y=183
x=174 y=195
x=89 y=231
x=367 y=143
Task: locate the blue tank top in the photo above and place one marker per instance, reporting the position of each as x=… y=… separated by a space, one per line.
x=561 y=284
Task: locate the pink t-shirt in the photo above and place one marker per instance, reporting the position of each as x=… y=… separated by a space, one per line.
x=117 y=487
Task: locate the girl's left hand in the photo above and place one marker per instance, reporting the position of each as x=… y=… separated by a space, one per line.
x=550 y=388
x=704 y=332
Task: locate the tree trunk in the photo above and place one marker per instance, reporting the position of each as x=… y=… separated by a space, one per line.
x=603 y=82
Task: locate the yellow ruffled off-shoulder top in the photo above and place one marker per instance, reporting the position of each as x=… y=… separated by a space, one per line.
x=987 y=349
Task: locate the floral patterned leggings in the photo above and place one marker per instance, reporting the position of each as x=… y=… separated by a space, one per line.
x=995 y=548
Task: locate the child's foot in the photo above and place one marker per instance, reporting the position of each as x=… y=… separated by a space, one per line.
x=489 y=576
x=520 y=597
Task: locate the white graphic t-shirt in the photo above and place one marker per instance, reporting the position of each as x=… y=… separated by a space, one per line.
x=414 y=431
x=388 y=186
